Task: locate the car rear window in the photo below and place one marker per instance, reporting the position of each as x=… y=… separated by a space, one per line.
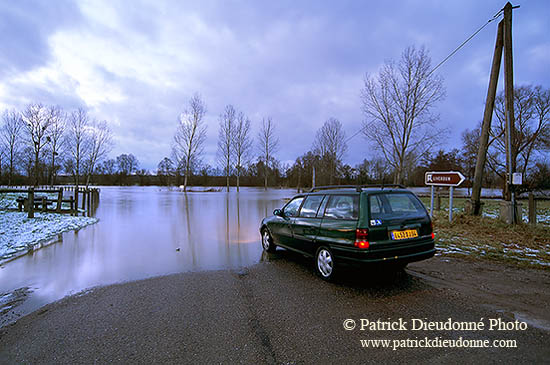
x=395 y=205
x=343 y=207
x=311 y=205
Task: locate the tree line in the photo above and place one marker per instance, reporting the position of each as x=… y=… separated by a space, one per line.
x=400 y=124
x=40 y=141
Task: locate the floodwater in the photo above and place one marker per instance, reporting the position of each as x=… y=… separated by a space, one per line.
x=143 y=232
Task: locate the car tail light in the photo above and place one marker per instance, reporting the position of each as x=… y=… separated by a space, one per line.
x=432 y=227
x=362 y=238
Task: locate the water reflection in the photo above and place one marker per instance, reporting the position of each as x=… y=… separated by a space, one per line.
x=144 y=232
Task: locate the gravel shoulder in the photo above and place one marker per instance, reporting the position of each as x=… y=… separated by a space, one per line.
x=279 y=312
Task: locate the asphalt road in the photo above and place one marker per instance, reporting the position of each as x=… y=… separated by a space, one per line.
x=275 y=312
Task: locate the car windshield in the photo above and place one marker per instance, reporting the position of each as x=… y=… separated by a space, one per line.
x=392 y=206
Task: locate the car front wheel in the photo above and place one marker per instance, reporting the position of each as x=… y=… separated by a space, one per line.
x=324 y=263
x=267 y=241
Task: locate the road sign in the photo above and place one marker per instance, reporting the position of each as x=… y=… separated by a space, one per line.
x=444 y=178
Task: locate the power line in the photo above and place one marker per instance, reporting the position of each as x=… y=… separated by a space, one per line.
x=496 y=16
x=466 y=41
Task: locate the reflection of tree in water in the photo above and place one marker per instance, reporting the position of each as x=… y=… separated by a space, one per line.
x=190 y=240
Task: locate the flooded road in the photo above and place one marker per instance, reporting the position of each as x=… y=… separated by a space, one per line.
x=145 y=232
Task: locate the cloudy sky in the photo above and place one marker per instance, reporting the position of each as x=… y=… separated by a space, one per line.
x=137 y=63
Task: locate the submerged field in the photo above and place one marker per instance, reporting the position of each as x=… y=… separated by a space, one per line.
x=476 y=237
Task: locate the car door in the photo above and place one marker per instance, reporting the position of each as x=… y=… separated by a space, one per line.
x=306 y=224
x=281 y=228
x=339 y=221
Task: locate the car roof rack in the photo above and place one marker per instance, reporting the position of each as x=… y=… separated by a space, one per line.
x=358 y=188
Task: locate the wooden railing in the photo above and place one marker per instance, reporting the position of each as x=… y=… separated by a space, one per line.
x=88 y=198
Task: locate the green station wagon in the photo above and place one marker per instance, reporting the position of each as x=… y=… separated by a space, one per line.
x=349 y=225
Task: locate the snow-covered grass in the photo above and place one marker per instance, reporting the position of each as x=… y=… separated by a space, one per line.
x=19 y=234
x=488 y=237
x=506 y=251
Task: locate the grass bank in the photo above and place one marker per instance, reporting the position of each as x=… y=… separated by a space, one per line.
x=488 y=238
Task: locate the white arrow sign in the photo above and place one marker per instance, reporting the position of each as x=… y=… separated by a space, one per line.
x=444 y=178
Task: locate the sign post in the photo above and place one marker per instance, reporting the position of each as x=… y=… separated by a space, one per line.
x=443 y=178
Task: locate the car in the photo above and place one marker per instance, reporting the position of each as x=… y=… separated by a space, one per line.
x=352 y=225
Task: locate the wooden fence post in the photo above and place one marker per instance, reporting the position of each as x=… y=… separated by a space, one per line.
x=30 y=201
x=532 y=209
x=438 y=202
x=59 y=200
x=89 y=198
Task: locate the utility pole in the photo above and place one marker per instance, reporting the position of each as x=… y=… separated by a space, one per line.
x=503 y=43
x=509 y=112
x=475 y=208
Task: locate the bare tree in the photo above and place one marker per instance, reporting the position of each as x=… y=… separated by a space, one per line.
x=470 y=145
x=225 y=140
x=100 y=142
x=56 y=134
x=397 y=104
x=10 y=135
x=268 y=143
x=532 y=128
x=37 y=121
x=109 y=166
x=127 y=164
x=190 y=136
x=165 y=171
x=242 y=144
x=330 y=144
x=77 y=141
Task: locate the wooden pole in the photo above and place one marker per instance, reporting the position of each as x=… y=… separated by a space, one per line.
x=509 y=108
x=532 y=209
x=89 y=195
x=486 y=126
x=76 y=198
x=31 y=202
x=59 y=200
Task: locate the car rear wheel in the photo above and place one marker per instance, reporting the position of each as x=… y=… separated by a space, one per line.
x=267 y=241
x=324 y=263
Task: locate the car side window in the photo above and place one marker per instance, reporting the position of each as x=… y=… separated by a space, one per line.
x=311 y=205
x=342 y=207
x=321 y=210
x=291 y=209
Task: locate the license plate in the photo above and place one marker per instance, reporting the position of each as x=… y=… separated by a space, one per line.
x=403 y=235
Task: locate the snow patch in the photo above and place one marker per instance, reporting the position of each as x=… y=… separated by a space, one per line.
x=19 y=234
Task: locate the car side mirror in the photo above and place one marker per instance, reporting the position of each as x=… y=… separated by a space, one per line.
x=278 y=212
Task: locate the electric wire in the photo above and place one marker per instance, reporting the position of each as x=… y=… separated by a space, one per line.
x=496 y=16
